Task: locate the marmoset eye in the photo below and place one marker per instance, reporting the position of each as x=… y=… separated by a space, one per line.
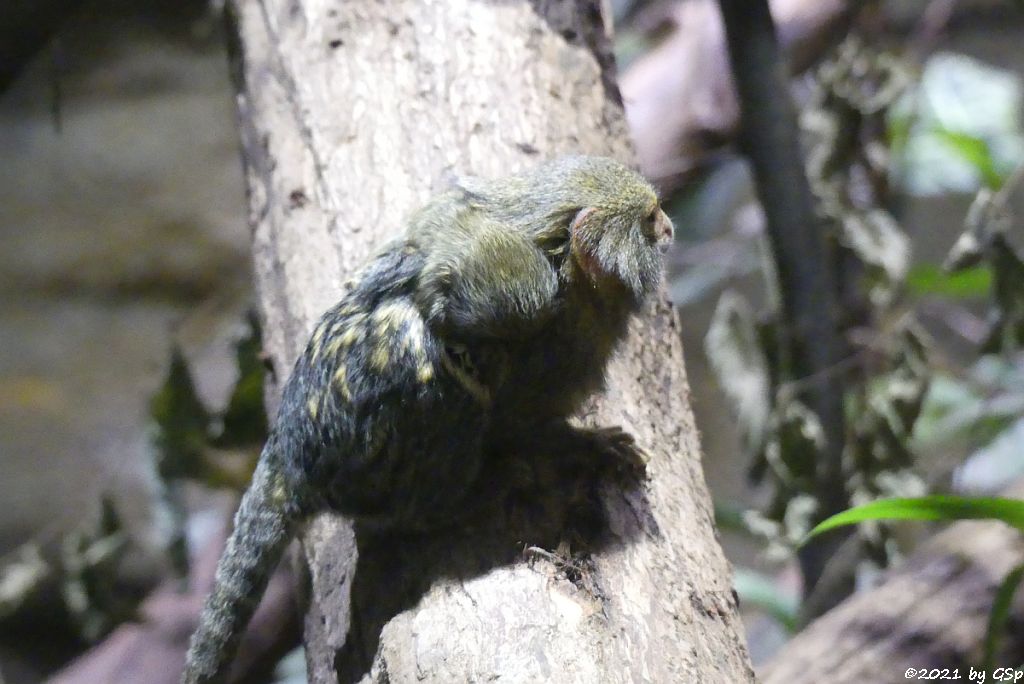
x=647 y=224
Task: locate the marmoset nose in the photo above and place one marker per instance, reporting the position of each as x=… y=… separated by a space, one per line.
x=663 y=228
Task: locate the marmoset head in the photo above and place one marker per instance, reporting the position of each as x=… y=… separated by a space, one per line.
x=619 y=230
x=594 y=211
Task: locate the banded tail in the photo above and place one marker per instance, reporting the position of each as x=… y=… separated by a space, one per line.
x=264 y=524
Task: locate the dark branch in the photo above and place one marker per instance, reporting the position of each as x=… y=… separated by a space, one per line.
x=810 y=342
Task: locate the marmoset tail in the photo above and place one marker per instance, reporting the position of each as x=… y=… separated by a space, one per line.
x=493 y=316
x=264 y=524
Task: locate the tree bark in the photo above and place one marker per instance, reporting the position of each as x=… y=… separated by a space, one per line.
x=352 y=115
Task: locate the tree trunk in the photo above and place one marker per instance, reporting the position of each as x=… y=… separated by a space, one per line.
x=352 y=115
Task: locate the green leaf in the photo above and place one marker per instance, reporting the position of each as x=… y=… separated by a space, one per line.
x=935 y=507
x=964 y=126
x=975 y=151
x=180 y=422
x=245 y=421
x=931 y=279
x=1000 y=613
x=900 y=126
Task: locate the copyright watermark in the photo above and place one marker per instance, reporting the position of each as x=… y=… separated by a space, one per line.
x=955 y=674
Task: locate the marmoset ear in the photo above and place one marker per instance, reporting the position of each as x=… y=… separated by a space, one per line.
x=580 y=218
x=584 y=242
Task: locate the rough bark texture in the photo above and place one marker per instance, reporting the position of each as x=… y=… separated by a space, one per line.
x=352 y=115
x=931 y=613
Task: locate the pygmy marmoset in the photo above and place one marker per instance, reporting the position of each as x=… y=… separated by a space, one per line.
x=498 y=308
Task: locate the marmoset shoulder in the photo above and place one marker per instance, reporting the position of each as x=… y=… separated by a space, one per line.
x=497 y=310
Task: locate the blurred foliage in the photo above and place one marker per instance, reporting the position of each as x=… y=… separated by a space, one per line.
x=974 y=151
x=709 y=257
x=639 y=26
x=958 y=128
x=735 y=351
x=85 y=573
x=985 y=239
x=969 y=405
x=763 y=592
x=887 y=374
x=986 y=400
x=1000 y=460
x=999 y=616
x=968 y=283
x=244 y=422
x=180 y=423
x=869 y=128
x=192 y=443
x=844 y=123
x=948 y=509
x=89 y=584
x=22 y=576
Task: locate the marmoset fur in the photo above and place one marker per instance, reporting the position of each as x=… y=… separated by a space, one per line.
x=494 y=314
